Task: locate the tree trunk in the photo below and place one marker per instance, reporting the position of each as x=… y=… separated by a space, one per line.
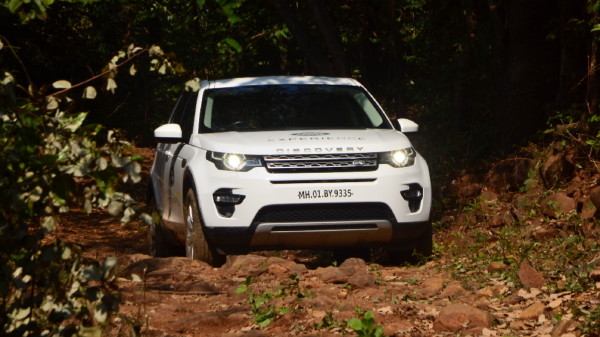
x=330 y=36
x=593 y=87
x=529 y=75
x=316 y=58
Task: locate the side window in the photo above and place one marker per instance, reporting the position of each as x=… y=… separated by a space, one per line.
x=183 y=113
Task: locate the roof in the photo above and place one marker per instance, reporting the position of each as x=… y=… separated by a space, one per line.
x=277 y=80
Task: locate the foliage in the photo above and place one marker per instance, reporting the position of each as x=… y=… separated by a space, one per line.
x=53 y=161
x=263 y=310
x=330 y=322
x=366 y=327
x=28 y=10
x=44 y=284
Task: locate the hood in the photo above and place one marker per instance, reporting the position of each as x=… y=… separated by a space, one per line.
x=303 y=141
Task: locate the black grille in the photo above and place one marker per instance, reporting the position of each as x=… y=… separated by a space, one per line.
x=334 y=162
x=324 y=212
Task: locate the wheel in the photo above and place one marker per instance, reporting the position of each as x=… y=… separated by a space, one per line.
x=158 y=246
x=424 y=247
x=196 y=244
x=420 y=252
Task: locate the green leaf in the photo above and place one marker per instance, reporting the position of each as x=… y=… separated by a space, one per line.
x=75 y=123
x=200 y=3
x=284 y=310
x=241 y=289
x=14 y=5
x=355 y=324
x=233 y=44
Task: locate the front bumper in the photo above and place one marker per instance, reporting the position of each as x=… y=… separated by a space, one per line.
x=313 y=210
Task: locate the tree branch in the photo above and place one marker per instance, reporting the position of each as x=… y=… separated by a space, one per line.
x=104 y=73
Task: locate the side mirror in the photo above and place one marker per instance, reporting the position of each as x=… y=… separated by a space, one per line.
x=406 y=125
x=168 y=133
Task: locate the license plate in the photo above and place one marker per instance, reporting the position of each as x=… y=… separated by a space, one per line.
x=326 y=193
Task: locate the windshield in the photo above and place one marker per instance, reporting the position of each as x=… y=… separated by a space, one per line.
x=282 y=107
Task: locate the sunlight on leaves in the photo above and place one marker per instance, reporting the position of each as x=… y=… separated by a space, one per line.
x=62 y=84
x=89 y=92
x=111 y=85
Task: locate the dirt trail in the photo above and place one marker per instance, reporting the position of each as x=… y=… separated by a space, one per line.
x=302 y=293
x=181 y=297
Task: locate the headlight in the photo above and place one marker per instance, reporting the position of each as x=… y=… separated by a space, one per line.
x=400 y=158
x=233 y=161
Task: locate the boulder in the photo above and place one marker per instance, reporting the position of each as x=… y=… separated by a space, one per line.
x=530 y=277
x=558 y=167
x=462 y=317
x=510 y=174
x=558 y=204
x=533 y=311
x=595 y=196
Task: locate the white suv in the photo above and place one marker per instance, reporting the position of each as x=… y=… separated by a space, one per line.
x=286 y=163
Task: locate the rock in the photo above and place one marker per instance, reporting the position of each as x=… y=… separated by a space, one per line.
x=496 y=267
x=501 y=220
x=468 y=191
x=467 y=186
x=512 y=299
x=533 y=311
x=545 y=233
x=200 y=287
x=462 y=317
x=530 y=277
x=320 y=302
x=588 y=209
x=510 y=174
x=162 y=266
x=430 y=287
x=595 y=196
x=558 y=204
x=488 y=196
x=353 y=265
x=400 y=327
x=362 y=280
x=557 y=168
x=563 y=327
x=332 y=274
x=252 y=264
x=493 y=290
x=453 y=289
x=522 y=204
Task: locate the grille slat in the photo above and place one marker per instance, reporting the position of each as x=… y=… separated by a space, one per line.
x=324 y=212
x=321 y=162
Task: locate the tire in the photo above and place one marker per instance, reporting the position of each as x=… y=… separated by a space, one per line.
x=196 y=244
x=420 y=252
x=158 y=246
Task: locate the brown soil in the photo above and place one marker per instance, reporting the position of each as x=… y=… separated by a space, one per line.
x=181 y=297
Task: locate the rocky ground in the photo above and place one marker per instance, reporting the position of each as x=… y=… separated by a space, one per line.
x=517 y=254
